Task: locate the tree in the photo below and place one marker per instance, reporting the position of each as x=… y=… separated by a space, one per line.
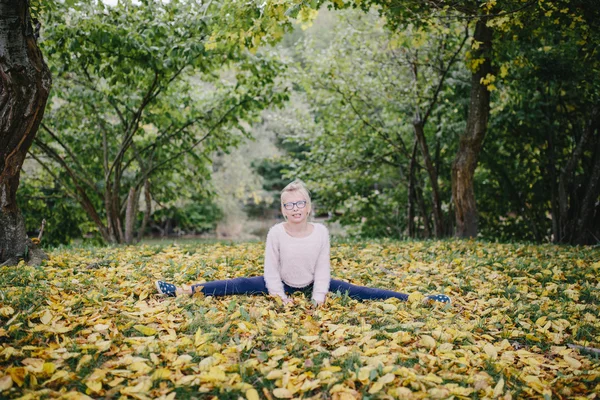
x=24 y=86
x=143 y=93
x=543 y=159
x=374 y=98
x=402 y=12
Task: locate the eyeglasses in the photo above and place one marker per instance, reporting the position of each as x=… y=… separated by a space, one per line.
x=299 y=204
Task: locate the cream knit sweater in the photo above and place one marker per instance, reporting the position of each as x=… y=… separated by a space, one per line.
x=298 y=262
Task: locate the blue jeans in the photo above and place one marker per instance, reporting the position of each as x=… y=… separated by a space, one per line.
x=256 y=285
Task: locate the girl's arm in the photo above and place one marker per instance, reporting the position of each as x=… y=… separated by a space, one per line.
x=322 y=271
x=271 y=271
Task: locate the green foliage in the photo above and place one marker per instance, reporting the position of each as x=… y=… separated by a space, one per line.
x=141 y=95
x=198 y=216
x=537 y=127
x=46 y=200
x=356 y=135
x=359 y=81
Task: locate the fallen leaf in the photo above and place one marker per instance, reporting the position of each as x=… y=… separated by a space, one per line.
x=145 y=330
x=282 y=393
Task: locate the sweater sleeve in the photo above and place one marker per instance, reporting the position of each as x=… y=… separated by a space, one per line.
x=272 y=266
x=322 y=271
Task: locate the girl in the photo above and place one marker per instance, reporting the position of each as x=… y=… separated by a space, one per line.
x=296 y=259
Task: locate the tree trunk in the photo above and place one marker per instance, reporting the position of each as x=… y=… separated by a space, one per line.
x=463 y=168
x=438 y=218
x=557 y=233
x=586 y=231
x=147 y=211
x=574 y=217
x=24 y=87
x=130 y=213
x=423 y=208
x=411 y=194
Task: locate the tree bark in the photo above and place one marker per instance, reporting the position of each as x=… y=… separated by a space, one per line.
x=471 y=142
x=410 y=212
x=586 y=234
x=438 y=218
x=574 y=217
x=147 y=211
x=130 y=213
x=24 y=87
x=423 y=208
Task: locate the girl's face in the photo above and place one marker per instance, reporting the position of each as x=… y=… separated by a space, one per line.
x=295 y=207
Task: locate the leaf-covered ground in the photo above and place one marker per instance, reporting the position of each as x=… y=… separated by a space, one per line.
x=524 y=323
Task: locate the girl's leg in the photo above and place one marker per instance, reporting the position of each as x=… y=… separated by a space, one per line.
x=254 y=285
x=363 y=292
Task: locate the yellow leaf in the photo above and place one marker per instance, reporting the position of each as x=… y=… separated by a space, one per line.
x=275 y=374
x=309 y=338
x=445 y=348
x=389 y=307
x=282 y=393
x=340 y=351
x=200 y=338
x=34 y=365
x=433 y=378
x=415 y=297
x=376 y=387
x=215 y=374
x=364 y=373
x=499 y=389
x=145 y=330
x=98 y=375
x=7 y=311
x=48 y=368
x=491 y=351
x=439 y=393
x=101 y=327
x=17 y=374
x=427 y=341
x=72 y=395
x=143 y=386
x=139 y=366
x=46 y=318
x=115 y=382
x=5 y=383
x=252 y=394
x=95 y=386
x=161 y=373
x=573 y=363
x=403 y=393
x=58 y=376
x=387 y=378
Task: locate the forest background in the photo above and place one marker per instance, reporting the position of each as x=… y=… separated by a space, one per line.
x=188 y=118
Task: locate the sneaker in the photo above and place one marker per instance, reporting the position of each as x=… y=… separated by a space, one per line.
x=165 y=288
x=442 y=298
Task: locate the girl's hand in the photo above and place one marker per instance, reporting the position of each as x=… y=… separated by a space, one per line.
x=287 y=301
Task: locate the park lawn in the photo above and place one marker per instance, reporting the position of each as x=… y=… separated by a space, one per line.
x=524 y=323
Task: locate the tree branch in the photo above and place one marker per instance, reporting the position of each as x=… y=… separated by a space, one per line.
x=85 y=179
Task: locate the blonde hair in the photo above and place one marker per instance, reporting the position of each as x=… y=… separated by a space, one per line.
x=297 y=186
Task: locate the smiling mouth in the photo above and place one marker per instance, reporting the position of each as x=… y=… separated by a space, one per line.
x=296 y=215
